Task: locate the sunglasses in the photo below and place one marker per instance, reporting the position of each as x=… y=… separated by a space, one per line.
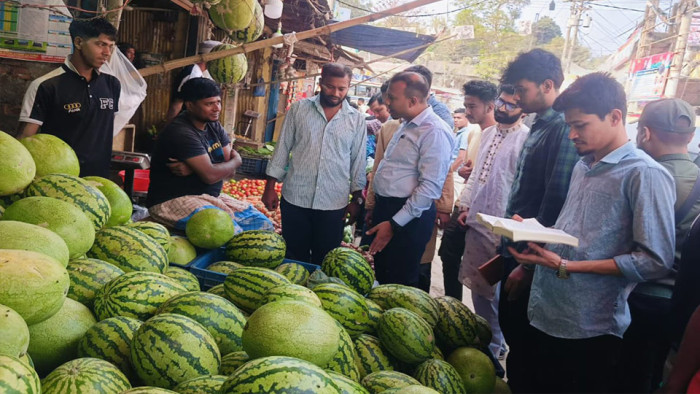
x=509 y=106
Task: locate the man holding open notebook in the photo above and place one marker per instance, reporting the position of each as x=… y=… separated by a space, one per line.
x=620 y=207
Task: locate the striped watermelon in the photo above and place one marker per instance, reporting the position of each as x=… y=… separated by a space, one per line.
x=371 y=356
x=14 y=333
x=254 y=29
x=129 y=249
x=230 y=69
x=292 y=292
x=375 y=312
x=119 y=201
x=411 y=389
x=135 y=294
x=218 y=290
x=109 y=340
x=85 y=375
x=230 y=15
x=209 y=384
x=224 y=267
x=231 y=362
x=279 y=375
x=246 y=287
x=378 y=382
x=76 y=191
x=87 y=277
x=407 y=297
x=148 y=390
x=27 y=360
x=347 y=385
x=483 y=331
x=169 y=349
x=439 y=375
x=345 y=305
x=17 y=377
x=293 y=329
x=219 y=316
x=406 y=335
x=344 y=360
x=351 y=267
x=437 y=354
x=27 y=236
x=187 y=279
x=154 y=230
x=457 y=325
x=296 y=273
x=257 y=248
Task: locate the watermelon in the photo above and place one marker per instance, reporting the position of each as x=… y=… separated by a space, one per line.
x=210 y=228
x=32 y=284
x=26 y=236
x=406 y=335
x=16 y=165
x=375 y=312
x=371 y=356
x=55 y=340
x=51 y=155
x=475 y=368
x=218 y=290
x=254 y=29
x=27 y=360
x=411 y=389
x=154 y=230
x=119 y=201
x=187 y=279
x=231 y=15
x=85 y=375
x=15 y=375
x=279 y=375
x=378 y=382
x=407 y=297
x=209 y=384
x=109 y=340
x=440 y=376
x=457 y=324
x=148 y=390
x=292 y=292
x=180 y=251
x=129 y=249
x=257 y=248
x=231 y=362
x=343 y=362
x=246 y=287
x=87 y=277
x=76 y=191
x=230 y=69
x=14 y=334
x=351 y=267
x=219 y=316
x=483 y=331
x=135 y=294
x=169 y=349
x=61 y=217
x=224 y=267
x=347 y=385
x=345 y=305
x=294 y=329
x=296 y=273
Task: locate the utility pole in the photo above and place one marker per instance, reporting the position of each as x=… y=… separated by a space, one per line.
x=567 y=40
x=645 y=39
x=577 y=9
x=685 y=11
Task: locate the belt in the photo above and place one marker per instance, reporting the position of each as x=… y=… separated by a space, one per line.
x=654 y=290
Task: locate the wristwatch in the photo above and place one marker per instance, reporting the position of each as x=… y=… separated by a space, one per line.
x=395 y=227
x=562 y=272
x=359 y=201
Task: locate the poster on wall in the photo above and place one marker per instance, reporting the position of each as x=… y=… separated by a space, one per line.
x=35 y=30
x=648 y=77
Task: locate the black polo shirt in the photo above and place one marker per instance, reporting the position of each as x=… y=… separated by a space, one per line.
x=79 y=112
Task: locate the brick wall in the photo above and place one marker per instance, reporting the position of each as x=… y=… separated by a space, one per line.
x=15 y=76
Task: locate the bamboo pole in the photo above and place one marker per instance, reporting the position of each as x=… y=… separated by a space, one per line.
x=254 y=46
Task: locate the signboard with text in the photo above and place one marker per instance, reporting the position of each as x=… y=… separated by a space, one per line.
x=648 y=77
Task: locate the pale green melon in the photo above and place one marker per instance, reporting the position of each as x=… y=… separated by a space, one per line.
x=16 y=165
x=26 y=236
x=14 y=334
x=181 y=251
x=210 y=228
x=254 y=29
x=231 y=15
x=51 y=155
x=118 y=200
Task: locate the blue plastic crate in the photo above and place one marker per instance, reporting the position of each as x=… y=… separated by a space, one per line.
x=209 y=279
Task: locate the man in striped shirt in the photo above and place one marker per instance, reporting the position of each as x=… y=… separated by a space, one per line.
x=321 y=158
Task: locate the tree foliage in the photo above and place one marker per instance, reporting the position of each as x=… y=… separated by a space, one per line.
x=545 y=30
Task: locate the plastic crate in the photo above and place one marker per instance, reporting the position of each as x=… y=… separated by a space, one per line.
x=253 y=165
x=209 y=279
x=142 y=179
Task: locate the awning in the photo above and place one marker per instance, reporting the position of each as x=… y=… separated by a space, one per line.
x=382 y=41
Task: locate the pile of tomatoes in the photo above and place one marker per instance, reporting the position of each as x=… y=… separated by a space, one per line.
x=251 y=190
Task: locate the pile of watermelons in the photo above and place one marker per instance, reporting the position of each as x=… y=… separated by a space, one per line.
x=89 y=303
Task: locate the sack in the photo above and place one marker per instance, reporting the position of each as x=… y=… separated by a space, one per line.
x=133 y=87
x=252 y=219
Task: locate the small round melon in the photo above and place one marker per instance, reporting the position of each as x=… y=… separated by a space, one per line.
x=210 y=228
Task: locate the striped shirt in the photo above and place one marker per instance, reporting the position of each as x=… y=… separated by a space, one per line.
x=320 y=162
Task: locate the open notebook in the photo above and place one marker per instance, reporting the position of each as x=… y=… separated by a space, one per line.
x=527 y=230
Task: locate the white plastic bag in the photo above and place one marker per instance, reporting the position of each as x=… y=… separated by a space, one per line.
x=133 y=87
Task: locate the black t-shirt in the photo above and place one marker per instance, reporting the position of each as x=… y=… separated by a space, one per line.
x=78 y=111
x=181 y=140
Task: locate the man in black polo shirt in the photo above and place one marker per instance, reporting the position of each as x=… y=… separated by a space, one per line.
x=76 y=102
x=193 y=154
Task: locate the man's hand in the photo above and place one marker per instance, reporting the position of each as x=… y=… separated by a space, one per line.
x=442 y=219
x=368 y=218
x=466 y=169
x=353 y=209
x=384 y=233
x=462 y=218
x=179 y=168
x=518 y=282
x=535 y=254
x=270 y=198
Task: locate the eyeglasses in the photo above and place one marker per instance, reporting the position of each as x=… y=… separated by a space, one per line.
x=509 y=106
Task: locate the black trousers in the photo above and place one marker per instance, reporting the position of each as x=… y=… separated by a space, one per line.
x=450 y=252
x=311 y=233
x=399 y=262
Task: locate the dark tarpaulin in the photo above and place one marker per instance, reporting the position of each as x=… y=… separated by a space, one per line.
x=382 y=41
